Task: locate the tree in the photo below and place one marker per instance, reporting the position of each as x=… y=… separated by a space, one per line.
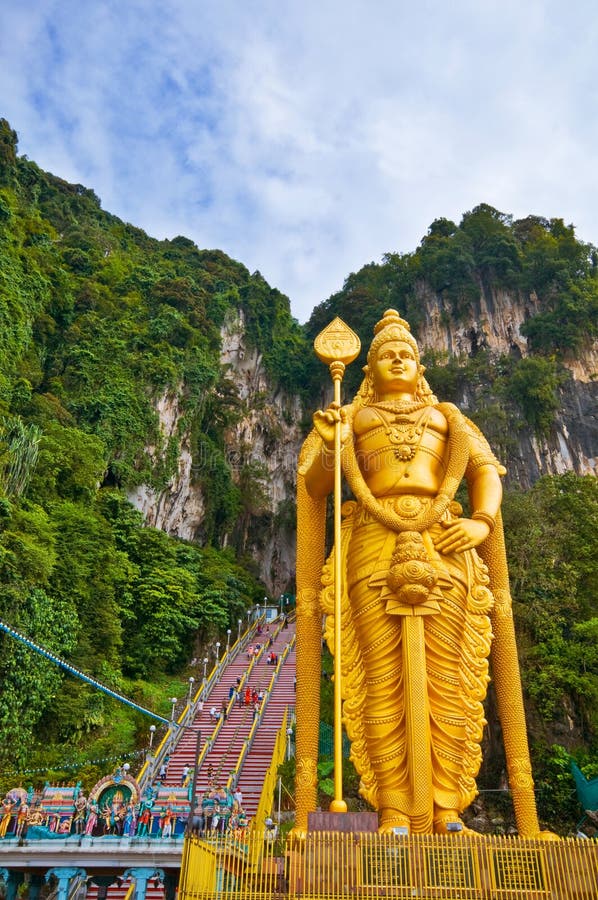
x=533 y=385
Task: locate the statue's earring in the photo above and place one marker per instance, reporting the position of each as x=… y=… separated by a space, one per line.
x=368 y=377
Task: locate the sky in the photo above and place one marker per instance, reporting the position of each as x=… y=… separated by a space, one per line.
x=308 y=138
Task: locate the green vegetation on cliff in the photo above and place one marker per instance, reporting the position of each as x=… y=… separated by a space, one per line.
x=552 y=547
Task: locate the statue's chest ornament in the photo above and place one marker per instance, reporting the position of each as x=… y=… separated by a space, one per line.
x=404 y=435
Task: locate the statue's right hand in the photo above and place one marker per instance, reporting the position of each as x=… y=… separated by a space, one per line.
x=325 y=421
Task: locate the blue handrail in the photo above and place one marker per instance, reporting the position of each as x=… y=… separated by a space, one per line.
x=12 y=632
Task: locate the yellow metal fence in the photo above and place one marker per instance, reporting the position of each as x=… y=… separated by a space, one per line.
x=336 y=866
x=270 y=778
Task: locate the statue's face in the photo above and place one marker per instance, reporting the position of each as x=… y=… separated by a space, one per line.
x=395 y=369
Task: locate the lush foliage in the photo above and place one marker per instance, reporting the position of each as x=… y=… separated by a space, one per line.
x=553 y=546
x=552 y=555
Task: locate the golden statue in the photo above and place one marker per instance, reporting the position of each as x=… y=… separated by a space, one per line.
x=423 y=589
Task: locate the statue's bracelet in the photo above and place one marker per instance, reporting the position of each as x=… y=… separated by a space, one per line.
x=485 y=517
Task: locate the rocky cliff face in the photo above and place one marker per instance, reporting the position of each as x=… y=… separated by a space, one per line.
x=572 y=444
x=267 y=435
x=265 y=440
x=494 y=324
x=178 y=510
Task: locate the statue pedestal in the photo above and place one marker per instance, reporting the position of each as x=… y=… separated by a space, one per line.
x=347 y=823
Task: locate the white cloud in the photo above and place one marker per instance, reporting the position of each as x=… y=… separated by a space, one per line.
x=308 y=138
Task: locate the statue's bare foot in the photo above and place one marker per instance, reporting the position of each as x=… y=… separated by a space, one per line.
x=391 y=819
x=447 y=821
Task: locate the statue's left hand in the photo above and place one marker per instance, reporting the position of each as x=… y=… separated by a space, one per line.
x=462 y=534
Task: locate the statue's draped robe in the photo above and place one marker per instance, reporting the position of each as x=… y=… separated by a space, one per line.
x=415 y=735
x=415 y=743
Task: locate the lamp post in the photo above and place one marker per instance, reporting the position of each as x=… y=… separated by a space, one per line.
x=257 y=612
x=173 y=700
x=227 y=640
x=191 y=683
x=281 y=604
x=152 y=731
x=239 y=623
x=248 y=618
x=205 y=668
x=289 y=736
x=218 y=660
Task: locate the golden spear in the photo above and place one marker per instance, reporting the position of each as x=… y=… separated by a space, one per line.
x=337 y=346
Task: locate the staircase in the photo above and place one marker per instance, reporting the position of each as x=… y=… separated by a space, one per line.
x=251 y=779
x=219 y=762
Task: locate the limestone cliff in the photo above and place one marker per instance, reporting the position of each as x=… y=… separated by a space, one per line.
x=261 y=450
x=494 y=323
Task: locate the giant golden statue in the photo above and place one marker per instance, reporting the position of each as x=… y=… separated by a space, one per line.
x=423 y=589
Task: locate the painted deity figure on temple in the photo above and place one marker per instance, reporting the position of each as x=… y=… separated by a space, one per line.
x=107 y=817
x=93 y=812
x=144 y=821
x=416 y=594
x=80 y=813
x=166 y=822
x=22 y=814
x=129 y=820
x=8 y=805
x=36 y=815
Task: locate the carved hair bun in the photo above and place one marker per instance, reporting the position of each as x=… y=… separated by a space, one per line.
x=391 y=317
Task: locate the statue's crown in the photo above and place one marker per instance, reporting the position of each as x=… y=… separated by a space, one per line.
x=391 y=327
x=391 y=317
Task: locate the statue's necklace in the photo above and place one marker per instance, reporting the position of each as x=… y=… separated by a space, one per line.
x=405 y=435
x=400 y=407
